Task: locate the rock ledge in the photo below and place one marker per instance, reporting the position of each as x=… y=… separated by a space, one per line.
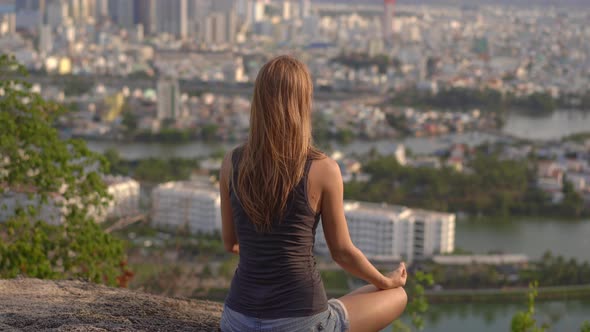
x=42 y=305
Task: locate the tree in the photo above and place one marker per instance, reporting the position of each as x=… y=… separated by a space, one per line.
x=418 y=304
x=42 y=171
x=130 y=120
x=524 y=321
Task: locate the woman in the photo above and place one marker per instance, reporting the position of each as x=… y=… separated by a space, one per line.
x=274 y=189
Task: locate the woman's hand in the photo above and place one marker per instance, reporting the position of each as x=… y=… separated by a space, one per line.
x=398 y=277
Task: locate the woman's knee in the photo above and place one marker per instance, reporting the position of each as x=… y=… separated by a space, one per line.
x=404 y=296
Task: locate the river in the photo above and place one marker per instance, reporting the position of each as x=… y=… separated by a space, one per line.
x=422 y=145
x=556 y=125
x=562 y=316
x=531 y=236
x=552 y=126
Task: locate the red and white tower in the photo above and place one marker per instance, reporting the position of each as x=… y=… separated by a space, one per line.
x=388 y=21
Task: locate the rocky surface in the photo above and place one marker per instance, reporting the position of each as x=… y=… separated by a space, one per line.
x=41 y=305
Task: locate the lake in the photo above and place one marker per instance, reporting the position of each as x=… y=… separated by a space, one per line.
x=563 y=316
x=530 y=236
x=552 y=126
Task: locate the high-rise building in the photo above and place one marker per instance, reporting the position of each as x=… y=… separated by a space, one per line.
x=215 y=26
x=228 y=8
x=144 y=13
x=26 y=5
x=45 y=39
x=304 y=8
x=168 y=99
x=102 y=10
x=7 y=19
x=197 y=17
x=395 y=232
x=388 y=13
x=258 y=8
x=287 y=9
x=172 y=17
x=57 y=12
x=125 y=14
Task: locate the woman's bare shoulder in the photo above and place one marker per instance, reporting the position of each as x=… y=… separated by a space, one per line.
x=325 y=169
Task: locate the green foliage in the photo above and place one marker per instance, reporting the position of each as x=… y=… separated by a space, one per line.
x=65 y=174
x=585 y=327
x=74 y=86
x=130 y=120
x=363 y=60
x=573 y=203
x=151 y=169
x=556 y=270
x=418 y=303
x=228 y=267
x=469 y=98
x=493 y=187
x=525 y=321
x=334 y=280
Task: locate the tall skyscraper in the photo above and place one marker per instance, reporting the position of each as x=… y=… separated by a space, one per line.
x=304 y=8
x=125 y=14
x=145 y=14
x=102 y=10
x=388 y=21
x=173 y=17
x=229 y=10
x=215 y=29
x=32 y=5
x=258 y=7
x=7 y=19
x=57 y=12
x=287 y=8
x=45 y=39
x=168 y=99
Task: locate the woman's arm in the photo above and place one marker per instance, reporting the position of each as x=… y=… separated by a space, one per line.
x=228 y=233
x=343 y=251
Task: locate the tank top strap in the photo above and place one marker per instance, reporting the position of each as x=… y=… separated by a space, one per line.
x=235 y=161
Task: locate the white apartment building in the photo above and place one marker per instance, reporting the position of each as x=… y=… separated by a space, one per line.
x=186 y=204
x=395 y=232
x=125 y=202
x=49 y=212
x=125 y=193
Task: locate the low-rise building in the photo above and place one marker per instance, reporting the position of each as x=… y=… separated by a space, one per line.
x=125 y=196
x=382 y=231
x=193 y=206
x=508 y=259
x=124 y=193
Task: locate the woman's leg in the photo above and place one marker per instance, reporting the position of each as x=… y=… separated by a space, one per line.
x=370 y=309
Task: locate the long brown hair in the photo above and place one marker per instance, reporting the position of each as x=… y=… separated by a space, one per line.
x=280 y=140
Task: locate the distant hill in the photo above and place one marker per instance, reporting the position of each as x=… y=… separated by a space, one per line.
x=558 y=3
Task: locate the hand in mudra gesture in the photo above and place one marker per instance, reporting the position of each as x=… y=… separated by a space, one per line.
x=399 y=276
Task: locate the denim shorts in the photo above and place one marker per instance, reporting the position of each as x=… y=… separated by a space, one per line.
x=334 y=319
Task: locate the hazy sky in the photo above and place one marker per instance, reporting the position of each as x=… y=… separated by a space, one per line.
x=584 y=3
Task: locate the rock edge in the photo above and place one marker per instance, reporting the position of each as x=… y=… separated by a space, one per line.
x=66 y=305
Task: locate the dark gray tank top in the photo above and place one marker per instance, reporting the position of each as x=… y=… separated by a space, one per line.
x=276 y=276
